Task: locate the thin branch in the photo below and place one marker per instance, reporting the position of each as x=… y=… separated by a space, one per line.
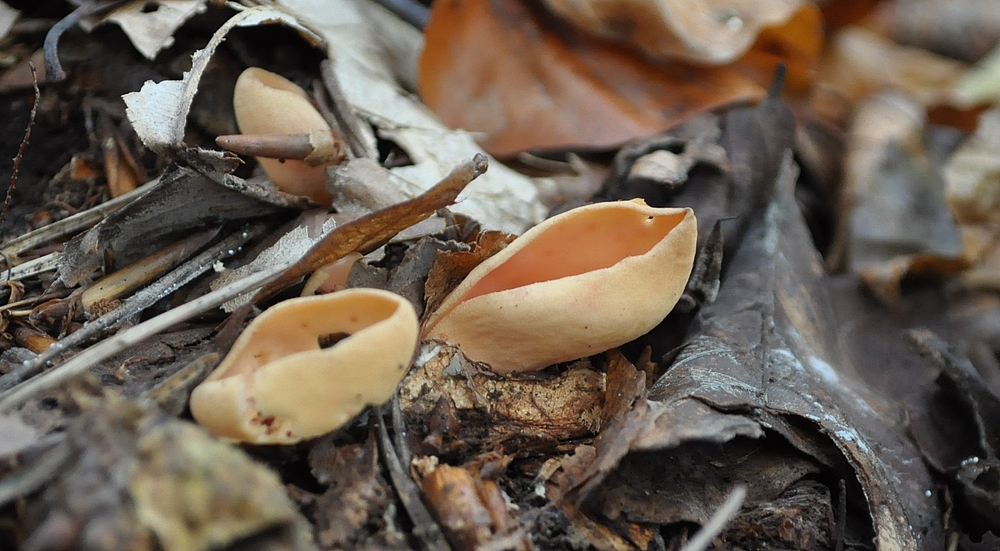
x=20 y=150
x=83 y=361
x=719 y=520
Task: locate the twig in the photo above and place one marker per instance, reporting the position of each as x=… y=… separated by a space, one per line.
x=177 y=278
x=115 y=344
x=722 y=516
x=20 y=150
x=50 y=48
x=424 y=525
x=74 y=223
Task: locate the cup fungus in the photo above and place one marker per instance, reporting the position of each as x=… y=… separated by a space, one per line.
x=577 y=284
x=267 y=104
x=284 y=382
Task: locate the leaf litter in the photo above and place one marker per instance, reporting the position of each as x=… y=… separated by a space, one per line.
x=780 y=405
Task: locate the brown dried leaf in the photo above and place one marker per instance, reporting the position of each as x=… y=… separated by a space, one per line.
x=711 y=33
x=861 y=63
x=356 y=496
x=973 y=189
x=455 y=404
x=451 y=267
x=508 y=69
x=454 y=495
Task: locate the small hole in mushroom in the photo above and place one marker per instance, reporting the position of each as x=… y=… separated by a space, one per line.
x=150 y=7
x=326 y=341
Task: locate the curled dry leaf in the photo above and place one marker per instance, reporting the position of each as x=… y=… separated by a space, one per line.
x=266 y=103
x=150 y=30
x=575 y=285
x=158 y=112
x=372 y=56
x=707 y=31
x=280 y=383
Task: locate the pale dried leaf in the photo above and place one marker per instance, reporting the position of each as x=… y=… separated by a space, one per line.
x=150 y=30
x=289 y=248
x=8 y=16
x=363 y=63
x=158 y=111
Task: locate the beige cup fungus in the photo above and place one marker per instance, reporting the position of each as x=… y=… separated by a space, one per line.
x=577 y=284
x=267 y=104
x=280 y=385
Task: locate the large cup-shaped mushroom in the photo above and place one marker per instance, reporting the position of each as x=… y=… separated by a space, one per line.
x=279 y=384
x=269 y=104
x=575 y=285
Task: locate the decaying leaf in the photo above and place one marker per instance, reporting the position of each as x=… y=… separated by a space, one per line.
x=159 y=111
x=373 y=57
x=150 y=25
x=961 y=442
x=457 y=404
x=973 y=192
x=961 y=29
x=712 y=33
x=183 y=200
x=897 y=220
x=8 y=16
x=148 y=482
x=556 y=88
x=356 y=495
x=450 y=268
x=862 y=63
x=762 y=372
x=370 y=232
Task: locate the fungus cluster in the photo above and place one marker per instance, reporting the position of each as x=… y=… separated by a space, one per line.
x=578 y=284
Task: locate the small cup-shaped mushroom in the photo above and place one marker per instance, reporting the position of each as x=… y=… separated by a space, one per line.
x=577 y=284
x=269 y=104
x=307 y=365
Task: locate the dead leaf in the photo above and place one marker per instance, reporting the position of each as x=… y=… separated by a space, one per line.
x=8 y=16
x=897 y=221
x=860 y=63
x=961 y=442
x=973 y=192
x=510 y=71
x=450 y=268
x=159 y=111
x=960 y=29
x=456 y=404
x=454 y=495
x=183 y=200
x=135 y=477
x=373 y=58
x=762 y=374
x=356 y=494
x=150 y=25
x=709 y=33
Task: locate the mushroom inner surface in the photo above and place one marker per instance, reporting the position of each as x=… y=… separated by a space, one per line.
x=583 y=243
x=293 y=328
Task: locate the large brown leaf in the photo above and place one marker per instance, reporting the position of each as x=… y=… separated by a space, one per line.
x=526 y=80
